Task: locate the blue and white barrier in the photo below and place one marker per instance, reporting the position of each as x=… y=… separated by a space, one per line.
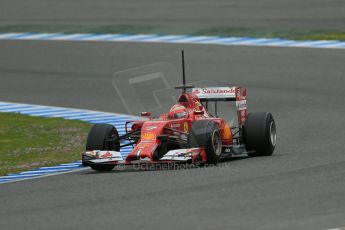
x=184 y=39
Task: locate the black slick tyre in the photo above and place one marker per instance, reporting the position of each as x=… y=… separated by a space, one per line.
x=99 y=139
x=260 y=134
x=205 y=134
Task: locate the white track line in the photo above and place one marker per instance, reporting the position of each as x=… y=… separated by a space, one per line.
x=336 y=228
x=47 y=175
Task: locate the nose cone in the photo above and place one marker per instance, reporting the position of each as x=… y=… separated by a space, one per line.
x=148 y=142
x=143 y=152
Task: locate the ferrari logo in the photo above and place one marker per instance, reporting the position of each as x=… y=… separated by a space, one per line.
x=185 y=127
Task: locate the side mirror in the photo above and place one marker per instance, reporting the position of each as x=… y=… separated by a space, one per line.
x=146 y=114
x=198 y=112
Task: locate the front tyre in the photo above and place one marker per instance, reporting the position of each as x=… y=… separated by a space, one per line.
x=102 y=167
x=102 y=137
x=260 y=134
x=99 y=136
x=205 y=134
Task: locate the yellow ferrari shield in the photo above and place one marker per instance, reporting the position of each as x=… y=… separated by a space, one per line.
x=185 y=127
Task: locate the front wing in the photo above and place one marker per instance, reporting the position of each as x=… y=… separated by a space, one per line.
x=193 y=155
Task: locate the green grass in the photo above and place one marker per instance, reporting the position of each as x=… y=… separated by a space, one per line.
x=296 y=34
x=29 y=142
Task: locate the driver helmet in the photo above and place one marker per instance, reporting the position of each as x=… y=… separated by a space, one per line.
x=177 y=111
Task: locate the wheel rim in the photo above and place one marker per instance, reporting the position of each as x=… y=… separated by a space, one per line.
x=216 y=143
x=273 y=133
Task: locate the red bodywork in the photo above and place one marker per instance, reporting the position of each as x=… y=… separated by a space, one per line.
x=190 y=109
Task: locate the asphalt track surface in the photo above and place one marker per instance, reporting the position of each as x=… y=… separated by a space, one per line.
x=301 y=187
x=306 y=14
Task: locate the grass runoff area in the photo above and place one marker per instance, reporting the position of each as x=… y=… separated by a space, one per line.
x=28 y=142
x=294 y=34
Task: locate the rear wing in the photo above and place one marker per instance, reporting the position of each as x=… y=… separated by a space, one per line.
x=237 y=94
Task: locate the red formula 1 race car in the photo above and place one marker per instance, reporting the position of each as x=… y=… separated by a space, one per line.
x=188 y=133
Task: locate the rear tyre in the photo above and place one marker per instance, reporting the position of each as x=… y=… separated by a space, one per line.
x=260 y=134
x=98 y=139
x=205 y=134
